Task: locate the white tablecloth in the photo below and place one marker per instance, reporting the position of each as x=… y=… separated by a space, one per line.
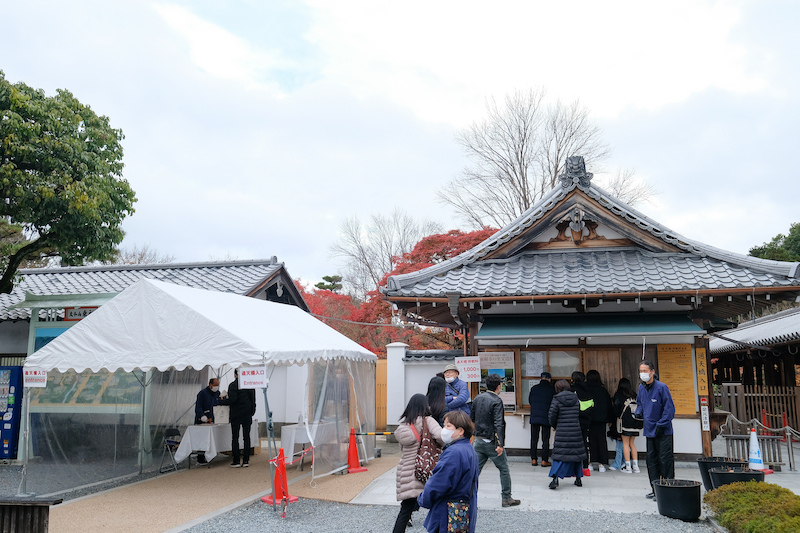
x=211 y=439
x=293 y=434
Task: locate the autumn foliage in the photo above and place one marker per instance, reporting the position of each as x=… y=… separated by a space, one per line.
x=371 y=322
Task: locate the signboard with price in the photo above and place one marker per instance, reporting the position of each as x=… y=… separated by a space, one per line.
x=469 y=369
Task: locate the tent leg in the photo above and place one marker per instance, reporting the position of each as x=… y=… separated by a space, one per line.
x=23 y=484
x=272 y=450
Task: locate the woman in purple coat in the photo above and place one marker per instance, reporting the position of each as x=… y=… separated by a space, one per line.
x=455 y=478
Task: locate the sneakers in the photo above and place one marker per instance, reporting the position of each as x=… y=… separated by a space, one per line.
x=245 y=465
x=613 y=468
x=547 y=463
x=235 y=465
x=635 y=468
x=651 y=496
x=510 y=502
x=626 y=470
x=554 y=483
x=601 y=468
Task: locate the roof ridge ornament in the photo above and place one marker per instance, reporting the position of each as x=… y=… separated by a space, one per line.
x=575 y=173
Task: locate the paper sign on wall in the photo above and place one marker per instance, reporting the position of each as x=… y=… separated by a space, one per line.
x=469 y=369
x=253 y=377
x=34 y=377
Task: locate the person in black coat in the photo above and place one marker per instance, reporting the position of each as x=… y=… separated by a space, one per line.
x=586 y=405
x=569 y=449
x=243 y=407
x=539 y=398
x=602 y=414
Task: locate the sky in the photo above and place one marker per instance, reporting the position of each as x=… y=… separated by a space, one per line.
x=255 y=128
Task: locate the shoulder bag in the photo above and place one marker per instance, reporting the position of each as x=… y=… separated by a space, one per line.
x=627 y=421
x=427 y=454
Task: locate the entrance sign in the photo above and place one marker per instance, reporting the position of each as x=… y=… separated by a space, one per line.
x=253 y=377
x=469 y=369
x=702 y=372
x=77 y=313
x=34 y=377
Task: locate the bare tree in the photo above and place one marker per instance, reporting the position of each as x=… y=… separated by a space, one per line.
x=141 y=256
x=624 y=186
x=367 y=250
x=517 y=154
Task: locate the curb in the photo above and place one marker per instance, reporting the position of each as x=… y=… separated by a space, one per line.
x=713 y=523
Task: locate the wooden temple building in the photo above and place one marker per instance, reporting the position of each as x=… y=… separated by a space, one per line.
x=583 y=281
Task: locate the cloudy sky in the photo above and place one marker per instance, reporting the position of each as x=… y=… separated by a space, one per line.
x=254 y=128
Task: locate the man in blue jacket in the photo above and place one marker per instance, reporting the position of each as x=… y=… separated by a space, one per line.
x=654 y=404
x=456 y=393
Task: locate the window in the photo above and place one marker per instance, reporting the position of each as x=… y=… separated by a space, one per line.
x=560 y=363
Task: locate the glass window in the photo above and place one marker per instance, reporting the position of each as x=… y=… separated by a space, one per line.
x=564 y=363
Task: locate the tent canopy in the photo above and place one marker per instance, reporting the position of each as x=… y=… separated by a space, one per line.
x=153 y=324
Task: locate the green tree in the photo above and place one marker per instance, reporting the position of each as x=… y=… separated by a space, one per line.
x=330 y=283
x=781 y=247
x=60 y=179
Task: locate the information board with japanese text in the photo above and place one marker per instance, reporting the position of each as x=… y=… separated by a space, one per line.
x=675 y=369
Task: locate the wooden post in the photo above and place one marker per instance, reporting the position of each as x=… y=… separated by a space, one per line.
x=706 y=399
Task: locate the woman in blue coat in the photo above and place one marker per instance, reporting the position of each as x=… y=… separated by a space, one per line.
x=455 y=478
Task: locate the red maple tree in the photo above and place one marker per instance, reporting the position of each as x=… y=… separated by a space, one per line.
x=371 y=322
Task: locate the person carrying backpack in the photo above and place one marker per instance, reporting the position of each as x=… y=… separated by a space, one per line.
x=627 y=425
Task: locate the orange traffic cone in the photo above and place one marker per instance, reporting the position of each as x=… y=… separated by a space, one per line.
x=353 y=464
x=281 y=487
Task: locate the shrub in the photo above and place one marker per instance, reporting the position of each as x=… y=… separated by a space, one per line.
x=755 y=507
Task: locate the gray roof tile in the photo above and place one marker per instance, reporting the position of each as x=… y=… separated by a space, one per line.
x=239 y=277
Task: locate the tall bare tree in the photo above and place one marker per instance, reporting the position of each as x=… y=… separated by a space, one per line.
x=143 y=255
x=367 y=249
x=517 y=153
x=624 y=186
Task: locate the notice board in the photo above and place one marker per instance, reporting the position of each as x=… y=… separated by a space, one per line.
x=675 y=369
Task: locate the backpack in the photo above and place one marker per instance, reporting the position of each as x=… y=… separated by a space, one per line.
x=427 y=454
x=626 y=421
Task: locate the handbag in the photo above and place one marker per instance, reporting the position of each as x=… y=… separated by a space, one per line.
x=627 y=421
x=427 y=454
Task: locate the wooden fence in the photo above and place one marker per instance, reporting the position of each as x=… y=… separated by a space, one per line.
x=380 y=395
x=746 y=402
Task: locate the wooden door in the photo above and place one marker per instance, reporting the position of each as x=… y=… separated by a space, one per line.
x=608 y=362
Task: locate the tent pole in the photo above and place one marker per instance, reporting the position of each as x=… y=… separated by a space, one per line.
x=142 y=423
x=272 y=449
x=23 y=484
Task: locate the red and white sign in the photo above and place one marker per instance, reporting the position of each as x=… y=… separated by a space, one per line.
x=253 y=377
x=469 y=369
x=34 y=377
x=78 y=313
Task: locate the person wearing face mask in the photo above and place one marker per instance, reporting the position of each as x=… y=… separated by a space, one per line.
x=654 y=405
x=456 y=394
x=204 y=408
x=453 y=487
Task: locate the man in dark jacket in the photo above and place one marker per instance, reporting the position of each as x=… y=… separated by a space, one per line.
x=539 y=398
x=602 y=414
x=490 y=434
x=243 y=407
x=205 y=402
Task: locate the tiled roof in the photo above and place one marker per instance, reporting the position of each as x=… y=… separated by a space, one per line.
x=432 y=355
x=780 y=328
x=680 y=270
x=239 y=277
x=612 y=270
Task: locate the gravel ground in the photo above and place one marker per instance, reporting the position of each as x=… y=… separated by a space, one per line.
x=314 y=516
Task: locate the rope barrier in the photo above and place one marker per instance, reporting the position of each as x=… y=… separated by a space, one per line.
x=308 y=450
x=755 y=423
x=376 y=433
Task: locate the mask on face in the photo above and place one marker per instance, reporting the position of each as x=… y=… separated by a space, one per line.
x=214 y=389
x=644 y=376
x=447 y=435
x=449 y=380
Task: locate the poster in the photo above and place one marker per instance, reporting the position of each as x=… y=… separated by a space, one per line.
x=469 y=369
x=502 y=364
x=534 y=363
x=676 y=370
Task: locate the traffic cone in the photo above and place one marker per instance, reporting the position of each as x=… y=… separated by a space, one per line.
x=353 y=464
x=281 y=487
x=756 y=463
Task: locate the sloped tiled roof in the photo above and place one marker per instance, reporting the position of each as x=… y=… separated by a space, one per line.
x=467 y=268
x=239 y=277
x=432 y=355
x=591 y=271
x=780 y=328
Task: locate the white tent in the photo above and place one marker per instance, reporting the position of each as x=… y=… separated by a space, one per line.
x=153 y=324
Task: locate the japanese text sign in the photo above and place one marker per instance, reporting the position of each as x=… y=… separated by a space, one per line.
x=253 y=377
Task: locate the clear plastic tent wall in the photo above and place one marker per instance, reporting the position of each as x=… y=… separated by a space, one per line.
x=341 y=395
x=86 y=427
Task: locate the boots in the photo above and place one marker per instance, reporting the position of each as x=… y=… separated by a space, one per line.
x=554 y=483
